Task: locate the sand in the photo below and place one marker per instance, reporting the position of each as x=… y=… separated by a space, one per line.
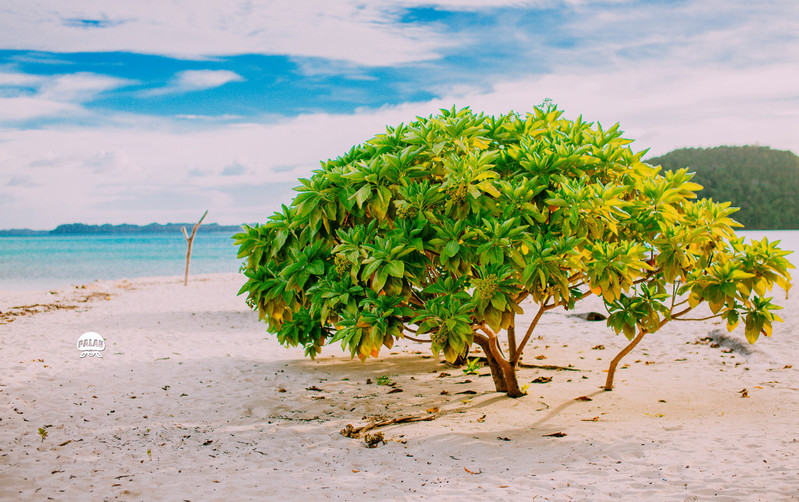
x=193 y=400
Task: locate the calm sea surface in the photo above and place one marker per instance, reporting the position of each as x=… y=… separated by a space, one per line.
x=29 y=263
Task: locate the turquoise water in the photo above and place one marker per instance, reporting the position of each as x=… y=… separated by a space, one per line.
x=28 y=263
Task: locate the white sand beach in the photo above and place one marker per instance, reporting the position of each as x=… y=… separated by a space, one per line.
x=193 y=400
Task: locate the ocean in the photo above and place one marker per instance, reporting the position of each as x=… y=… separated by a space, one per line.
x=34 y=263
x=46 y=262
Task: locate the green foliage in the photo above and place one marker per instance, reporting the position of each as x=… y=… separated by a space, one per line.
x=439 y=229
x=761 y=181
x=384 y=380
x=472 y=366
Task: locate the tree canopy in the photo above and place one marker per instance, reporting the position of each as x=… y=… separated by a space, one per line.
x=446 y=229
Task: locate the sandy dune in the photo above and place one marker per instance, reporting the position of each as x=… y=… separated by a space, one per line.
x=192 y=400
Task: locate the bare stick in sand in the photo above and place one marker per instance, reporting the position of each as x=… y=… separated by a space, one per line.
x=189 y=242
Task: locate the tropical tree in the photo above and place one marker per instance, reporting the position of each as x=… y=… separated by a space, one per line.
x=445 y=230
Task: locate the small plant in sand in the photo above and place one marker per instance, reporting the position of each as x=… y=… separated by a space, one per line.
x=472 y=366
x=384 y=380
x=444 y=230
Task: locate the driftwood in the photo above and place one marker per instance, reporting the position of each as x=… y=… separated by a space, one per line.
x=189 y=243
x=355 y=432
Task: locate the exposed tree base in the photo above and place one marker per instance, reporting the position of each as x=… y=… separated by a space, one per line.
x=503 y=373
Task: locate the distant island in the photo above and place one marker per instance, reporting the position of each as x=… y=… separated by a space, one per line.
x=762 y=182
x=107 y=229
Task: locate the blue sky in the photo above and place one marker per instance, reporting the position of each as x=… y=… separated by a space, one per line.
x=147 y=111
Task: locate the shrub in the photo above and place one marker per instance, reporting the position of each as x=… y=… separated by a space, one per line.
x=443 y=230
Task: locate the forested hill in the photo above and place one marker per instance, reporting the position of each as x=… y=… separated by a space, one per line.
x=763 y=182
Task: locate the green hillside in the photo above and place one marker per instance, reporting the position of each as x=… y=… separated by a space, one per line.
x=763 y=182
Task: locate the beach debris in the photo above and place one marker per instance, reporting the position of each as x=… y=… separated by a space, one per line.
x=482 y=419
x=598 y=347
x=443 y=375
x=479 y=471
x=468 y=391
x=583 y=398
x=314 y=388
x=189 y=244
x=555 y=435
x=593 y=419
x=355 y=432
x=542 y=379
x=394 y=390
x=503 y=438
x=373 y=440
x=9 y=315
x=743 y=393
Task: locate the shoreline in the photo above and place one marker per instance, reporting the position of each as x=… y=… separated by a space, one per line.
x=186 y=403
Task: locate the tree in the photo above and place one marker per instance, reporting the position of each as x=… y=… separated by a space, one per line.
x=438 y=231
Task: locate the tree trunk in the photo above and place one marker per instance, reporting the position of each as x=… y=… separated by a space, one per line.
x=626 y=350
x=503 y=373
x=496 y=371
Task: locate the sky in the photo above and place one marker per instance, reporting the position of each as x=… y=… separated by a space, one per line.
x=152 y=111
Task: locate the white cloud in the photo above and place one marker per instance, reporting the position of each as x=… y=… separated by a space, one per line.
x=361 y=32
x=196 y=80
x=53 y=96
x=78 y=87
x=25 y=108
x=14 y=79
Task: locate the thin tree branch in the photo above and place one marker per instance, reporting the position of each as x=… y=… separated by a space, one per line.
x=518 y=353
x=615 y=362
x=416 y=339
x=512 y=342
x=702 y=319
x=673 y=297
x=678 y=314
